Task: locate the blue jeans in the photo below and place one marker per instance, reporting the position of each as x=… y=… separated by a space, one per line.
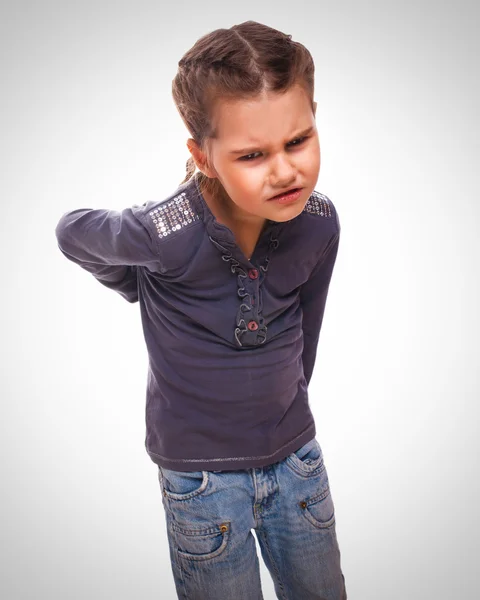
x=210 y=516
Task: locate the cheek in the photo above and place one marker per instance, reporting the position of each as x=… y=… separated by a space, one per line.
x=247 y=179
x=241 y=185
x=313 y=159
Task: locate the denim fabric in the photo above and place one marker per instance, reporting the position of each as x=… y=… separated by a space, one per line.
x=210 y=516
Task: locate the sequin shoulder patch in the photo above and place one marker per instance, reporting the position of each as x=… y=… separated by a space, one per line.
x=172 y=215
x=318 y=204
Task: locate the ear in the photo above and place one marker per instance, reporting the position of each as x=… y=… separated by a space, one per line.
x=200 y=158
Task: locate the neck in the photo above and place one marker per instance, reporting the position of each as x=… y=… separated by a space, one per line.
x=228 y=213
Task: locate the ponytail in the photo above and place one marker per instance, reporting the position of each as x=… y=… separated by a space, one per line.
x=190 y=170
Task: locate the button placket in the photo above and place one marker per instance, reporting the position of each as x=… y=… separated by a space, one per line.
x=250 y=327
x=253 y=285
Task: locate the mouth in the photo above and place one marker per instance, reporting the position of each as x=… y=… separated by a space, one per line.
x=286 y=193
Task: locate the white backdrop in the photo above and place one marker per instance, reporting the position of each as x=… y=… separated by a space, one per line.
x=87 y=120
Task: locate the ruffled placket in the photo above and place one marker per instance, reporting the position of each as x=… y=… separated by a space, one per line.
x=250 y=329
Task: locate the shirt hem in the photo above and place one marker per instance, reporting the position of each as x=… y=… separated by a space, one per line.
x=234 y=463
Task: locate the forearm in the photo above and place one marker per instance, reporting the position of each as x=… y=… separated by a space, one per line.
x=110 y=245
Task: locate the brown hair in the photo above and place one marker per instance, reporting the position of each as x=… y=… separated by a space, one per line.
x=236 y=63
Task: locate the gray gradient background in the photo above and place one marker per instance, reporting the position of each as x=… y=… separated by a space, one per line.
x=87 y=120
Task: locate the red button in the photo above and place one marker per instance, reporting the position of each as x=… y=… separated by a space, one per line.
x=252 y=325
x=253 y=274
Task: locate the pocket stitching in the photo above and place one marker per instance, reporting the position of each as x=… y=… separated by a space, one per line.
x=188 y=495
x=315 y=500
x=210 y=555
x=296 y=464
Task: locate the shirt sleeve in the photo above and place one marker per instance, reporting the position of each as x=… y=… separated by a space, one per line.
x=110 y=245
x=313 y=298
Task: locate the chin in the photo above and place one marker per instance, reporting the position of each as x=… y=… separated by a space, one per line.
x=282 y=216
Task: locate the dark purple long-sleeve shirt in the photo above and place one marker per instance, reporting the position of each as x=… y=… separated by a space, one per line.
x=231 y=342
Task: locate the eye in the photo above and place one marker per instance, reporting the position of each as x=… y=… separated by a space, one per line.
x=246 y=157
x=298 y=140
x=293 y=143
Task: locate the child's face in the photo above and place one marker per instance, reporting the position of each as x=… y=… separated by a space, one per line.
x=269 y=163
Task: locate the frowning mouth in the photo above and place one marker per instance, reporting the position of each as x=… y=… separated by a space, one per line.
x=288 y=196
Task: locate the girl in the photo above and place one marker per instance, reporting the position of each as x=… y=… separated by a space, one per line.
x=231 y=272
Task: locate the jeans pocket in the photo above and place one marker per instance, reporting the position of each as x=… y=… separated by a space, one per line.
x=319 y=509
x=317 y=503
x=182 y=485
x=200 y=543
x=307 y=460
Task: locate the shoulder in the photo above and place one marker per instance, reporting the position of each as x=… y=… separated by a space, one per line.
x=320 y=207
x=175 y=224
x=319 y=204
x=167 y=217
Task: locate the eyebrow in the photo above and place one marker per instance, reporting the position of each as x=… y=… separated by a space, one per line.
x=255 y=148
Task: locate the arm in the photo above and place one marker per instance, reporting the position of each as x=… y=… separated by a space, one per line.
x=119 y=278
x=109 y=245
x=313 y=297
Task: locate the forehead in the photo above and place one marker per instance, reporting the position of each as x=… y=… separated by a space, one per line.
x=265 y=119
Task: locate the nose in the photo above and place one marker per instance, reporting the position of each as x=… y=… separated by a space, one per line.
x=283 y=172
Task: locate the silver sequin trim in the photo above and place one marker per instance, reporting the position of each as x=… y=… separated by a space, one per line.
x=318 y=204
x=173 y=215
